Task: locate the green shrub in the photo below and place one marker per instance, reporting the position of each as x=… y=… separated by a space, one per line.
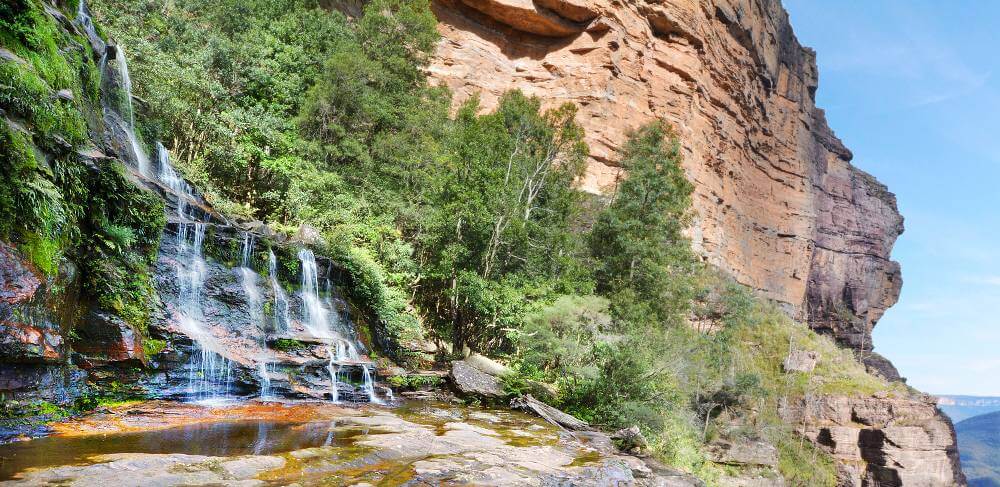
x=152 y=346
x=413 y=382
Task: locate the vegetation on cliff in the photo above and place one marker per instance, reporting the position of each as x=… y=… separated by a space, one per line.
x=60 y=207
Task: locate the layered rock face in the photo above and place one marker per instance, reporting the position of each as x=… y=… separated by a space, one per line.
x=779 y=206
x=881 y=441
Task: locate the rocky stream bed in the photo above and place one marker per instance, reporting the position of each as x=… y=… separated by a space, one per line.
x=166 y=443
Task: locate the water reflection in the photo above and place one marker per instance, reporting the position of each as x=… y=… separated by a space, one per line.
x=230 y=438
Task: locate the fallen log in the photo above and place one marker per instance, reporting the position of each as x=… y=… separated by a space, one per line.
x=549 y=413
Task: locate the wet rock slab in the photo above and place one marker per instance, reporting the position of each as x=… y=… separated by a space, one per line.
x=418 y=443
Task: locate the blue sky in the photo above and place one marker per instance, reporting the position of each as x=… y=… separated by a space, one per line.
x=912 y=87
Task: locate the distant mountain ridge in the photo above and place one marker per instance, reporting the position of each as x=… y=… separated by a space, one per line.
x=979 y=449
x=960 y=408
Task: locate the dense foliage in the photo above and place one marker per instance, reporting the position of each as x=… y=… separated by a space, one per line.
x=61 y=207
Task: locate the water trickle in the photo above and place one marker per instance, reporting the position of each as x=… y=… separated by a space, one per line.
x=369 y=385
x=169 y=177
x=334 y=369
x=142 y=160
x=248 y=279
x=280 y=298
x=264 y=370
x=84 y=19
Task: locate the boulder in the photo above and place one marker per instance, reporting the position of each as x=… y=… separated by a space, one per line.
x=664 y=476
x=878 y=365
x=487 y=365
x=8 y=56
x=308 y=235
x=470 y=381
x=743 y=452
x=801 y=361
x=631 y=440
x=103 y=338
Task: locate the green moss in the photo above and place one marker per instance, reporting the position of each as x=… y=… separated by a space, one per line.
x=27 y=90
x=414 y=382
x=153 y=346
x=12 y=410
x=43 y=252
x=288 y=345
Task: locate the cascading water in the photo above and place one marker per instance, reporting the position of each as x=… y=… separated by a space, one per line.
x=85 y=20
x=128 y=125
x=248 y=279
x=209 y=373
x=255 y=303
x=280 y=299
x=317 y=322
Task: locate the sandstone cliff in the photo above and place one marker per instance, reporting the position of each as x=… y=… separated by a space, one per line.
x=779 y=206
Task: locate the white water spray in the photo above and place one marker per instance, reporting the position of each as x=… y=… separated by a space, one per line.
x=209 y=373
x=248 y=278
x=84 y=19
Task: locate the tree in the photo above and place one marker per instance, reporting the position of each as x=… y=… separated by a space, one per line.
x=499 y=211
x=644 y=262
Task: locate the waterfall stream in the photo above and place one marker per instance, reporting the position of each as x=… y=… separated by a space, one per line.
x=280 y=298
x=85 y=20
x=141 y=159
x=255 y=304
x=341 y=350
x=209 y=370
x=209 y=373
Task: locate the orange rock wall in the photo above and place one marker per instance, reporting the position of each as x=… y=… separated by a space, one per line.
x=779 y=205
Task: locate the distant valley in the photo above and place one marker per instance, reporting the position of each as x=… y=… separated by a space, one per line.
x=979 y=448
x=960 y=408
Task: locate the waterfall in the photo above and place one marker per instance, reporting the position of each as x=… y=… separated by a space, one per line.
x=280 y=299
x=84 y=19
x=255 y=303
x=369 y=385
x=141 y=159
x=169 y=177
x=334 y=370
x=209 y=373
x=340 y=350
x=264 y=370
x=248 y=279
